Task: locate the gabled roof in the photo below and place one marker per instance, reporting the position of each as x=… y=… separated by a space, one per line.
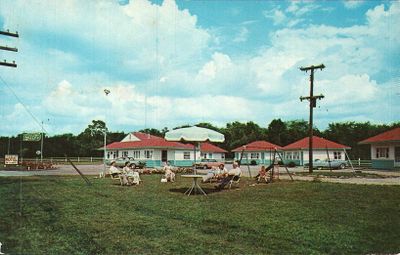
x=318 y=143
x=208 y=147
x=148 y=141
x=388 y=136
x=143 y=136
x=151 y=141
x=258 y=146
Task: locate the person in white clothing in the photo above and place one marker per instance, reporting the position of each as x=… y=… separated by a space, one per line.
x=218 y=173
x=235 y=171
x=169 y=175
x=114 y=171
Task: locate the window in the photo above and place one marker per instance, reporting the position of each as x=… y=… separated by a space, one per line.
x=186 y=155
x=108 y=154
x=296 y=155
x=254 y=155
x=210 y=155
x=288 y=155
x=337 y=155
x=136 y=154
x=382 y=152
x=124 y=154
x=148 y=154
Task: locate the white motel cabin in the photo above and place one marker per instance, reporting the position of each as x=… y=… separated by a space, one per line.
x=257 y=152
x=156 y=150
x=323 y=149
x=385 y=149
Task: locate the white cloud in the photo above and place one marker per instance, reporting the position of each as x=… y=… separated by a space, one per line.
x=277 y=16
x=218 y=63
x=352 y=4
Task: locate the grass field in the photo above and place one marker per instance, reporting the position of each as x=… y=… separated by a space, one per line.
x=60 y=215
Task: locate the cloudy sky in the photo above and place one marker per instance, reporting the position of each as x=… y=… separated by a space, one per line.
x=170 y=63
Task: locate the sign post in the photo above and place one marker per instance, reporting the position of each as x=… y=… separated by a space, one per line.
x=11 y=159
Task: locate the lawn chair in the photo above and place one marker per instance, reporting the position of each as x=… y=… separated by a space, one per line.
x=134 y=178
x=235 y=180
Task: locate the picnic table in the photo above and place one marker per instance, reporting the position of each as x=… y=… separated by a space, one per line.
x=195 y=186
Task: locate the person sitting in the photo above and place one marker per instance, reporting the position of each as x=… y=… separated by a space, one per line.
x=235 y=171
x=114 y=171
x=169 y=175
x=263 y=174
x=216 y=172
x=124 y=175
x=133 y=174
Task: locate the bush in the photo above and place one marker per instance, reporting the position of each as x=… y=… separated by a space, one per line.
x=291 y=164
x=253 y=163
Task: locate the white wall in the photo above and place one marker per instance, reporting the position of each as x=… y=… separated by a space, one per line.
x=179 y=154
x=321 y=154
x=391 y=147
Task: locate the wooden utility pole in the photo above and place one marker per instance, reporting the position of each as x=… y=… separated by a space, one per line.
x=313 y=104
x=8 y=33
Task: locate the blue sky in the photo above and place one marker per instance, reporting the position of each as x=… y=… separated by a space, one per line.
x=171 y=63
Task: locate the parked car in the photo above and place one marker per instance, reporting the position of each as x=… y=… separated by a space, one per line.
x=206 y=163
x=121 y=162
x=333 y=163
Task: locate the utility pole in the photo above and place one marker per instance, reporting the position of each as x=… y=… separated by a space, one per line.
x=8 y=33
x=313 y=104
x=41 y=145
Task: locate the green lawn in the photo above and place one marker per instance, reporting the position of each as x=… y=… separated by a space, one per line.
x=337 y=174
x=60 y=215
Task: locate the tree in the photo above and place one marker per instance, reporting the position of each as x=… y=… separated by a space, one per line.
x=277 y=132
x=92 y=138
x=152 y=131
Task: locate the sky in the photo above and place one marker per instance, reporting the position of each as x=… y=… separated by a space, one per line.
x=171 y=63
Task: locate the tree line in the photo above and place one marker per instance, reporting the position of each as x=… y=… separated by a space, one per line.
x=90 y=140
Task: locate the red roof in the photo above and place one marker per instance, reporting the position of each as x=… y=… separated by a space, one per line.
x=142 y=136
x=208 y=147
x=151 y=141
x=388 y=136
x=148 y=141
x=318 y=143
x=258 y=146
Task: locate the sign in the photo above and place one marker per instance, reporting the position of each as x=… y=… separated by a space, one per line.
x=10 y=159
x=31 y=137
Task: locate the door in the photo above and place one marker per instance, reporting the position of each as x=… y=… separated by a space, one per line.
x=164 y=156
x=397 y=155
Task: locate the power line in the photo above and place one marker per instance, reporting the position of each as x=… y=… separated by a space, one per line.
x=25 y=107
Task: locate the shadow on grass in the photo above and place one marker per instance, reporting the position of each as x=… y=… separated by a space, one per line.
x=206 y=190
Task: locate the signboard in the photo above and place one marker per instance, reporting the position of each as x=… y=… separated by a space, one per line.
x=31 y=137
x=10 y=159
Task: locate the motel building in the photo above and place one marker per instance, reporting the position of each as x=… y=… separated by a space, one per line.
x=259 y=152
x=385 y=149
x=297 y=152
x=156 y=151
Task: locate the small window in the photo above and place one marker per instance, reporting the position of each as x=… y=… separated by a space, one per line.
x=186 y=155
x=296 y=155
x=288 y=155
x=382 y=152
x=148 y=154
x=136 y=154
x=254 y=155
x=337 y=155
x=124 y=154
x=210 y=155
